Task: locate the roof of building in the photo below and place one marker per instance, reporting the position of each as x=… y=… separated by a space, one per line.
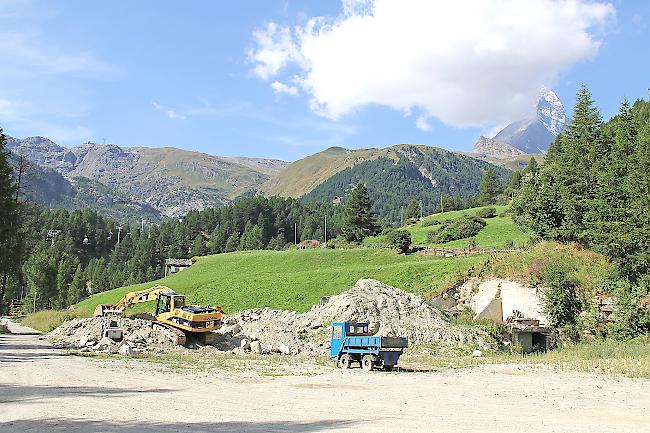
x=178 y=262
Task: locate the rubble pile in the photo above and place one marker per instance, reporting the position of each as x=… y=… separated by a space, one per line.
x=388 y=310
x=138 y=335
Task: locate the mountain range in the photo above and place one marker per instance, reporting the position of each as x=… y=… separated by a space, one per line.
x=530 y=135
x=133 y=183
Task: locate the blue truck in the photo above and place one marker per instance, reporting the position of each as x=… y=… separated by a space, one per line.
x=352 y=343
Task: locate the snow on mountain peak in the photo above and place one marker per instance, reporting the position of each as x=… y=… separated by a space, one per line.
x=550 y=111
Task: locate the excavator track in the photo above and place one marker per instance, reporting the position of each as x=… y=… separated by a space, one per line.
x=176 y=336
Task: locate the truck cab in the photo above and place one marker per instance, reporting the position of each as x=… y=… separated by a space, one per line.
x=341 y=330
x=353 y=342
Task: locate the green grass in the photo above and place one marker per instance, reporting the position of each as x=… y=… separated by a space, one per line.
x=592 y=270
x=47 y=320
x=296 y=279
x=496 y=234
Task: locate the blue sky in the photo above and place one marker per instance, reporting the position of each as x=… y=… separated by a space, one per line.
x=272 y=79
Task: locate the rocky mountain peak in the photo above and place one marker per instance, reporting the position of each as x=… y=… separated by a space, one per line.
x=550 y=111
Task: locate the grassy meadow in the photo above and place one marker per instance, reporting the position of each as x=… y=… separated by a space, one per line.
x=498 y=232
x=296 y=279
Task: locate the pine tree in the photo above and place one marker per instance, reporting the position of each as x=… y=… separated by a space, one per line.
x=77 y=287
x=198 y=246
x=232 y=243
x=11 y=241
x=359 y=221
x=251 y=239
x=490 y=187
x=413 y=210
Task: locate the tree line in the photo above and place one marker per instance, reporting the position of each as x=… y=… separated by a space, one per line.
x=59 y=257
x=594 y=190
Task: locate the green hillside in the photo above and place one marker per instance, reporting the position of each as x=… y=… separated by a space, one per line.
x=406 y=173
x=498 y=232
x=296 y=279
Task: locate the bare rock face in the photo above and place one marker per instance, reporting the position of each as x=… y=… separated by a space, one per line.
x=495 y=149
x=171 y=181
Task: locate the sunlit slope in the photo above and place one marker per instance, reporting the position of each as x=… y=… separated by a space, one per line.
x=296 y=279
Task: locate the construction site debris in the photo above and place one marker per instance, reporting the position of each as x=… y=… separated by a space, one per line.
x=388 y=310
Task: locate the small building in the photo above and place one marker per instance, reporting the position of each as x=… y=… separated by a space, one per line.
x=173 y=266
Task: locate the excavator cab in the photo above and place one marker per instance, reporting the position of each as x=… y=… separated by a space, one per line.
x=168 y=302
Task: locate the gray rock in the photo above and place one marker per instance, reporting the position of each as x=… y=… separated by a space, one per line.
x=256 y=347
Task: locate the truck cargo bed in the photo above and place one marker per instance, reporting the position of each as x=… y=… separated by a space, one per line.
x=377 y=342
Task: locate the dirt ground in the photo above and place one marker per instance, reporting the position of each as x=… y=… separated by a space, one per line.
x=45 y=390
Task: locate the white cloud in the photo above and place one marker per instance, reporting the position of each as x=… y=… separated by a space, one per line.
x=169 y=112
x=279 y=87
x=422 y=123
x=174 y=115
x=274 y=50
x=467 y=63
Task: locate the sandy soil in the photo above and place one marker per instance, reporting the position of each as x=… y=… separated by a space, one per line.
x=45 y=390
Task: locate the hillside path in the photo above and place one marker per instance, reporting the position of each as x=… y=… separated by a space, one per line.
x=44 y=390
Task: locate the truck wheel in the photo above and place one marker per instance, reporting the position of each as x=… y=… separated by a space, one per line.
x=388 y=367
x=366 y=362
x=344 y=361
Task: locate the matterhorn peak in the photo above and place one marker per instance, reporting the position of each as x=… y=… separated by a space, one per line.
x=550 y=111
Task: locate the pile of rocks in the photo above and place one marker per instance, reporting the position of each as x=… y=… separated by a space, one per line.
x=138 y=335
x=390 y=312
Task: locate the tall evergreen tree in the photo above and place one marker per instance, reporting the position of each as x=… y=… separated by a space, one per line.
x=359 y=221
x=413 y=210
x=11 y=240
x=490 y=187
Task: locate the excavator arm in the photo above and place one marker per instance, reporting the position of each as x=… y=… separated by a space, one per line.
x=133 y=298
x=130 y=299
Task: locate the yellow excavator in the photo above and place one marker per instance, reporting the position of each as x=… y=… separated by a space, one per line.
x=170 y=310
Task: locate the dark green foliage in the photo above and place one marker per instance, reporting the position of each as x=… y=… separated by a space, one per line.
x=359 y=220
x=413 y=210
x=562 y=304
x=406 y=176
x=12 y=240
x=87 y=242
x=399 y=240
x=632 y=313
x=486 y=212
x=594 y=188
x=490 y=187
x=459 y=228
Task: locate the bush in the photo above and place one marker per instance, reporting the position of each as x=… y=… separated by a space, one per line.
x=459 y=228
x=562 y=304
x=4 y=329
x=431 y=223
x=486 y=212
x=400 y=240
x=632 y=313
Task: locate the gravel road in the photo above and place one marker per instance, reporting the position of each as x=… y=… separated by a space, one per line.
x=44 y=390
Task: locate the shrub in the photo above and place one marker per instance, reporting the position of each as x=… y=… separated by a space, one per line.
x=459 y=228
x=562 y=304
x=487 y=212
x=431 y=223
x=400 y=240
x=4 y=329
x=632 y=313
